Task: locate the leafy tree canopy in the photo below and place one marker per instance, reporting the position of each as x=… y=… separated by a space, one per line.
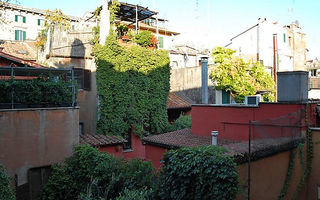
x=238 y=77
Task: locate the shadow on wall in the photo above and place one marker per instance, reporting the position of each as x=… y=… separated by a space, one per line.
x=194 y=94
x=76 y=56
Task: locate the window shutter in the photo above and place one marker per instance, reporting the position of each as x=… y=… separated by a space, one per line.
x=38 y=22
x=24 y=35
x=87 y=79
x=284 y=38
x=160 y=42
x=16 y=18
x=16 y=34
x=24 y=19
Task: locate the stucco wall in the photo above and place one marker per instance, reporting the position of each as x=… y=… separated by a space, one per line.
x=232 y=121
x=32 y=138
x=188 y=82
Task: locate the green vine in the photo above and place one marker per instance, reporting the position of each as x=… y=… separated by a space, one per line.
x=133 y=86
x=289 y=174
x=305 y=166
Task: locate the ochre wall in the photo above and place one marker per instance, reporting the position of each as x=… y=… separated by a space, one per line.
x=36 y=137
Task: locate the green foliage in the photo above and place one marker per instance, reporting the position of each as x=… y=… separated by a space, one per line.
x=184 y=121
x=143 y=38
x=113 y=9
x=198 y=173
x=238 y=77
x=36 y=91
x=121 y=30
x=6 y=192
x=143 y=194
x=133 y=86
x=92 y=175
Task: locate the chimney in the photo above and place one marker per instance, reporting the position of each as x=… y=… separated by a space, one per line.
x=104 y=22
x=214 y=136
x=204 y=80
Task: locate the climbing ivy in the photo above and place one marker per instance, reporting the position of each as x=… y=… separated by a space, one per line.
x=133 y=86
x=238 y=77
x=289 y=175
x=305 y=166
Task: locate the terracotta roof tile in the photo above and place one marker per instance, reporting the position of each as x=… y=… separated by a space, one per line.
x=23 y=50
x=21 y=61
x=175 y=101
x=180 y=138
x=101 y=140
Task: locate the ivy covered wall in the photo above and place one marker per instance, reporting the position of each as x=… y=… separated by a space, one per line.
x=133 y=86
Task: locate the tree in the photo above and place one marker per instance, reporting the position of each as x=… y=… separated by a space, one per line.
x=238 y=77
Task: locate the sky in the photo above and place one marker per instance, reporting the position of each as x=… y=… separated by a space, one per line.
x=210 y=23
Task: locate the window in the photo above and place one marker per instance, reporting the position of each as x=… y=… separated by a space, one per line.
x=81 y=128
x=284 y=38
x=19 y=35
x=128 y=145
x=20 y=18
x=83 y=78
x=160 y=42
x=39 y=22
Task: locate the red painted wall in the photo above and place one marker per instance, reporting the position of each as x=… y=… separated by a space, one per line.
x=138 y=149
x=232 y=122
x=115 y=150
x=154 y=154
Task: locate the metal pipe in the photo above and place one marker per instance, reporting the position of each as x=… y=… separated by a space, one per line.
x=12 y=89
x=137 y=19
x=204 y=80
x=73 y=88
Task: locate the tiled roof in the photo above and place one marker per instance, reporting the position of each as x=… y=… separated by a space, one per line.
x=23 y=50
x=101 y=140
x=180 y=138
x=175 y=101
x=20 y=61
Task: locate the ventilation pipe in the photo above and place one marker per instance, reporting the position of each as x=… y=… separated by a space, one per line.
x=204 y=80
x=214 y=140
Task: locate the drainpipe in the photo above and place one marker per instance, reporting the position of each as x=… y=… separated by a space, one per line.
x=214 y=140
x=204 y=80
x=275 y=60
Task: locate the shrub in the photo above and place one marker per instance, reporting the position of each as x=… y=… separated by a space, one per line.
x=36 y=91
x=198 y=173
x=90 y=174
x=6 y=192
x=143 y=38
x=184 y=121
x=143 y=194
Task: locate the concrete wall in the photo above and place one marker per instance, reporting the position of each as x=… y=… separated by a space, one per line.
x=32 y=138
x=73 y=48
x=188 y=82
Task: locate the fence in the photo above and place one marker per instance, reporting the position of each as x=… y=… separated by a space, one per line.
x=270 y=135
x=17 y=81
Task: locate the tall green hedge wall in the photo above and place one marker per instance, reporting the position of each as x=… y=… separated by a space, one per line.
x=133 y=86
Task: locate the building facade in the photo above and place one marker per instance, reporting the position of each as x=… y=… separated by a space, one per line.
x=278 y=48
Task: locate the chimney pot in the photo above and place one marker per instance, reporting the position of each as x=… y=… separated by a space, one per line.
x=214 y=140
